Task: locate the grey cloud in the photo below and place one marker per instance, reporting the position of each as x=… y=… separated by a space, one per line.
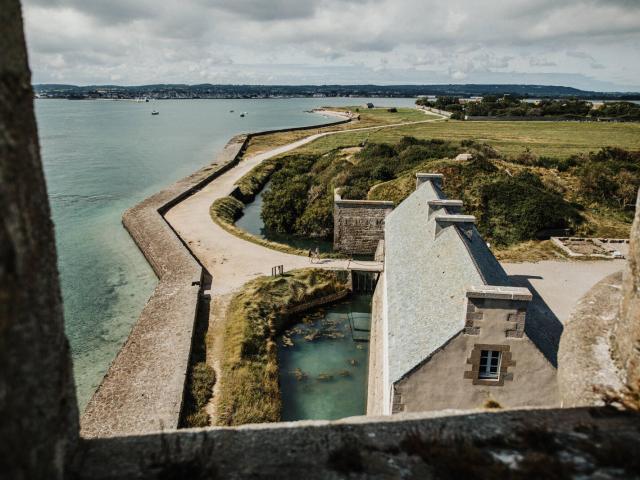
x=141 y=39
x=541 y=62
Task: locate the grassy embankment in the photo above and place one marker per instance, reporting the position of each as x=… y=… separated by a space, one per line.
x=249 y=390
x=368 y=118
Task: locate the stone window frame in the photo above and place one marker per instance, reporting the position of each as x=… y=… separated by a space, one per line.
x=506 y=361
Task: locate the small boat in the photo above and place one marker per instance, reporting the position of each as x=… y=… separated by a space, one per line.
x=242 y=115
x=231 y=111
x=155 y=112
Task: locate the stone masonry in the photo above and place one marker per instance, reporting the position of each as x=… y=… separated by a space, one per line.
x=358 y=225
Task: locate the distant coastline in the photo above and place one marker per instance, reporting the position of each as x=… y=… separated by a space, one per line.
x=208 y=91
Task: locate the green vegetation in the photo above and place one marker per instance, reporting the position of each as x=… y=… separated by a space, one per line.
x=202 y=378
x=515 y=199
x=300 y=201
x=249 y=390
x=514 y=106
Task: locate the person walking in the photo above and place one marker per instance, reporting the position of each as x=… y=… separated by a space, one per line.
x=310 y=256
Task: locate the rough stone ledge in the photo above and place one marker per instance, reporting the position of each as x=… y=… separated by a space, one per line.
x=144 y=386
x=499 y=292
x=445 y=203
x=584 y=356
x=455 y=218
x=533 y=443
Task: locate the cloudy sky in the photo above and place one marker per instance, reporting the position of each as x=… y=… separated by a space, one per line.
x=590 y=44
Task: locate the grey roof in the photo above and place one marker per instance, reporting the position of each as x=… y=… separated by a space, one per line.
x=426 y=278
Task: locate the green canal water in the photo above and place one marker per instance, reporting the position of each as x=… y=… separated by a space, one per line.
x=251 y=221
x=323 y=370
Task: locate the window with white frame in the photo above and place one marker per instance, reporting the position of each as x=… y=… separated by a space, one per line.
x=489 y=365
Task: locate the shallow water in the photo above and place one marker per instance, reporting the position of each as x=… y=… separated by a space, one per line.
x=251 y=221
x=102 y=157
x=325 y=378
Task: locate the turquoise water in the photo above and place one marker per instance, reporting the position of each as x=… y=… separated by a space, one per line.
x=323 y=374
x=251 y=221
x=102 y=157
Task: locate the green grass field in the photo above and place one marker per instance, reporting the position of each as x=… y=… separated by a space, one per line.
x=368 y=118
x=554 y=139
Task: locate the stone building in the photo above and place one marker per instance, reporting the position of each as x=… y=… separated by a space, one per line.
x=448 y=329
x=358 y=225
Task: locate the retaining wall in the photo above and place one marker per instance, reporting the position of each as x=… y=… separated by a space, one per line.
x=144 y=387
x=358 y=225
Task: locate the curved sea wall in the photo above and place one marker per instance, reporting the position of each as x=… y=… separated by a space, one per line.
x=144 y=387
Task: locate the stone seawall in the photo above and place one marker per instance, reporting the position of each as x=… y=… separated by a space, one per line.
x=144 y=386
x=358 y=225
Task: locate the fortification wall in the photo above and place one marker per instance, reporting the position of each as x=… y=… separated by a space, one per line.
x=144 y=387
x=358 y=225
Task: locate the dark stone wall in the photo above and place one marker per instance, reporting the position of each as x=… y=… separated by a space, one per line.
x=517 y=444
x=38 y=410
x=358 y=226
x=626 y=333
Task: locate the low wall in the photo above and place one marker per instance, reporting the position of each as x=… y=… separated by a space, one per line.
x=444 y=113
x=334 y=297
x=567 y=443
x=358 y=225
x=144 y=387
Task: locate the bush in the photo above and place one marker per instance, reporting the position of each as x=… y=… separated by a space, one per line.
x=517 y=208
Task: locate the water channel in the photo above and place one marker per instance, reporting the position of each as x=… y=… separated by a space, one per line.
x=323 y=357
x=323 y=361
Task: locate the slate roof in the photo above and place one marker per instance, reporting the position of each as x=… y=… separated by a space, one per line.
x=426 y=277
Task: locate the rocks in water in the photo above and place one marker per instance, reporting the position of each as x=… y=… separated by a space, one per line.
x=344 y=373
x=311 y=336
x=325 y=377
x=299 y=374
x=353 y=362
x=286 y=341
x=333 y=335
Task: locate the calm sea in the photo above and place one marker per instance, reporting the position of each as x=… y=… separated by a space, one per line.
x=101 y=157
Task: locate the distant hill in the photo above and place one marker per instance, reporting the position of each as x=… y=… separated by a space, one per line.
x=268 y=91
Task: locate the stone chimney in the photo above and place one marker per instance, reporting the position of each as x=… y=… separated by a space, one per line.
x=464 y=222
x=434 y=178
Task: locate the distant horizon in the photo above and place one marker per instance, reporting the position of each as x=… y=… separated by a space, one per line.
x=477 y=86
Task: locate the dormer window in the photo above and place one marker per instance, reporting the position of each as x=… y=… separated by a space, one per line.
x=489 y=365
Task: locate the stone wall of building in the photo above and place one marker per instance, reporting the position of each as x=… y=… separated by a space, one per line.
x=449 y=377
x=375 y=382
x=358 y=225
